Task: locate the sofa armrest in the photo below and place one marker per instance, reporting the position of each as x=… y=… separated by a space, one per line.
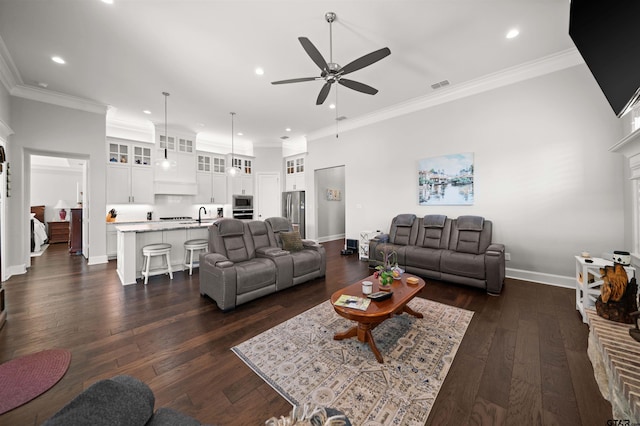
x=381 y=238
x=310 y=244
x=271 y=252
x=215 y=260
x=495 y=268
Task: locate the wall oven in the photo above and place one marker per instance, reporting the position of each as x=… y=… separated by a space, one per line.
x=242 y=206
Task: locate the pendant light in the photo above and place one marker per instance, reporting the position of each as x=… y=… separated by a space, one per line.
x=165 y=163
x=232 y=170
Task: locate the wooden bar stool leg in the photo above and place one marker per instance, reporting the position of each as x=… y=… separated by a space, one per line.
x=147 y=261
x=169 y=265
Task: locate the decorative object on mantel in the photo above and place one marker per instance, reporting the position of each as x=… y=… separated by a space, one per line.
x=111 y=215
x=617 y=298
x=62 y=205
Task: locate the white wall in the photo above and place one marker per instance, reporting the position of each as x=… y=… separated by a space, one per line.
x=4 y=105
x=330 y=224
x=49 y=186
x=543 y=173
x=47 y=129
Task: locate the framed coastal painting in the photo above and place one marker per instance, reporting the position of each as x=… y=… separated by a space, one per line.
x=446 y=180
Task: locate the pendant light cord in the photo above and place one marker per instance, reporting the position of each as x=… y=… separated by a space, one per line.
x=232 y=151
x=166 y=137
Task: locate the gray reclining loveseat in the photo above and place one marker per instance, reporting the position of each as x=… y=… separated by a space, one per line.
x=435 y=246
x=246 y=261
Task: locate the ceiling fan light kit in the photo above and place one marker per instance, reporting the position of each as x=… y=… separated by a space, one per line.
x=331 y=72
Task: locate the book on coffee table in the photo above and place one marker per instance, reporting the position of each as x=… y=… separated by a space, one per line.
x=354 y=302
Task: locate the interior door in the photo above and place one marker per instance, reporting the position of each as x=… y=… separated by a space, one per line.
x=267 y=196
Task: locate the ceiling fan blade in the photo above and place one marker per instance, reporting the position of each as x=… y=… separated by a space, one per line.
x=296 y=80
x=365 y=60
x=324 y=92
x=356 y=85
x=313 y=53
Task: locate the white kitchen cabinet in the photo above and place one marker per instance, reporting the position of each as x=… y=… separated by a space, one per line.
x=129 y=172
x=242 y=183
x=112 y=241
x=211 y=178
x=294 y=173
x=129 y=185
x=181 y=177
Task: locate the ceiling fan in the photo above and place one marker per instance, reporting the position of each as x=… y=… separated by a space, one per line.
x=332 y=72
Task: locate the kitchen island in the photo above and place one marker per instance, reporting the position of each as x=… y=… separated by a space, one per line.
x=132 y=237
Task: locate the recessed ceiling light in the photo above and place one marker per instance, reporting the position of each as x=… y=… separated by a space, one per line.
x=240 y=133
x=107 y=1
x=146 y=111
x=259 y=71
x=43 y=84
x=58 y=60
x=513 y=33
x=288 y=129
x=332 y=106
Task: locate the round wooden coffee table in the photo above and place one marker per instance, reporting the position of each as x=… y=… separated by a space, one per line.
x=377 y=312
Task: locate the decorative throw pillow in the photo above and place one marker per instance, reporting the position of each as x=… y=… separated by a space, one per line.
x=291 y=241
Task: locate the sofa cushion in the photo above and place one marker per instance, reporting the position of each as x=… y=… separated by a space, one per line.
x=470 y=223
x=434 y=221
x=227 y=227
x=254 y=274
x=291 y=241
x=405 y=219
x=236 y=248
x=423 y=257
x=305 y=262
x=403 y=230
x=259 y=233
x=462 y=264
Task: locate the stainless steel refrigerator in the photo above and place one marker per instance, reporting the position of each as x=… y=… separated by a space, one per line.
x=293 y=209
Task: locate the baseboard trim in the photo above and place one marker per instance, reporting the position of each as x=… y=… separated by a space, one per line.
x=330 y=238
x=541 y=278
x=15 y=270
x=96 y=260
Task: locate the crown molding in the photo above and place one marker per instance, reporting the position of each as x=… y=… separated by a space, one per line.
x=9 y=74
x=57 y=98
x=5 y=131
x=539 y=67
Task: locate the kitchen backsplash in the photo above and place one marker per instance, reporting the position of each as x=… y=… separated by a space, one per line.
x=165 y=206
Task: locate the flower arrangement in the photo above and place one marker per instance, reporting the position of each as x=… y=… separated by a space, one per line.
x=389 y=269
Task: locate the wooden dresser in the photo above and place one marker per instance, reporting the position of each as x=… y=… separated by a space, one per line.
x=58 y=232
x=75 y=231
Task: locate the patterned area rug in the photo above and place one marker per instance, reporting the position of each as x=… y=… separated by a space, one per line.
x=300 y=360
x=26 y=377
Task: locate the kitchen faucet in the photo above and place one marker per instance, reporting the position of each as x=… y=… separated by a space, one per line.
x=199 y=210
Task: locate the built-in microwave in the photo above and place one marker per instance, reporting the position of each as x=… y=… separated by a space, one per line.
x=242 y=202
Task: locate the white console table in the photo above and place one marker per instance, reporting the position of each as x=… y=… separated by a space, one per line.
x=587 y=292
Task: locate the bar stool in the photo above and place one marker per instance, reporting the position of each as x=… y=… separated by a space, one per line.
x=160 y=249
x=189 y=248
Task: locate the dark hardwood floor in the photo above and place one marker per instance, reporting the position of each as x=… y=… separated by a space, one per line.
x=523 y=360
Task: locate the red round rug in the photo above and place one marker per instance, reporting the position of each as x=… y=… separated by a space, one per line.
x=24 y=378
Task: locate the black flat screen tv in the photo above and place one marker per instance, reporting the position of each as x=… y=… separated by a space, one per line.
x=607 y=35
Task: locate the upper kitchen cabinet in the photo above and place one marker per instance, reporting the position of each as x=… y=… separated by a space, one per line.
x=212 y=179
x=294 y=173
x=180 y=178
x=242 y=183
x=129 y=172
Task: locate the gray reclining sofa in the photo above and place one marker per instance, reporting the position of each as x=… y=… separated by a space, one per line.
x=250 y=259
x=435 y=246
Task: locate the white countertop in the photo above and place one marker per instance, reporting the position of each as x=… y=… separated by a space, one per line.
x=163 y=225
